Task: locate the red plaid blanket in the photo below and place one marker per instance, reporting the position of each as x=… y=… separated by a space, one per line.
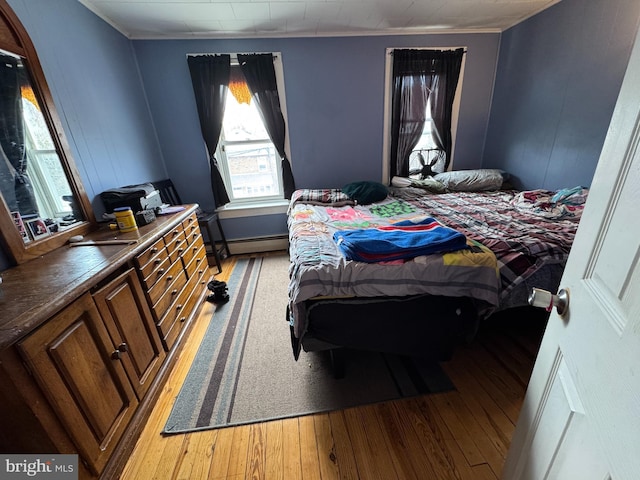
x=522 y=241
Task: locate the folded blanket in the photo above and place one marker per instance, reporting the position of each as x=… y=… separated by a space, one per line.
x=401 y=240
x=327 y=196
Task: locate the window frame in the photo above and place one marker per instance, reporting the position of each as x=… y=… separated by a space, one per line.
x=388 y=79
x=221 y=154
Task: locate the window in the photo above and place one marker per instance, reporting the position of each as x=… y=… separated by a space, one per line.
x=49 y=179
x=425 y=147
x=248 y=161
x=425 y=150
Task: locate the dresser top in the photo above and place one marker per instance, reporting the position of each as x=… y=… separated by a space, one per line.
x=34 y=291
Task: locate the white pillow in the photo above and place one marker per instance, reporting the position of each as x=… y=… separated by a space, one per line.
x=472 y=180
x=429 y=184
x=401 y=182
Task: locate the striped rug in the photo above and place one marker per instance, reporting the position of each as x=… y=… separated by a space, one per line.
x=244 y=371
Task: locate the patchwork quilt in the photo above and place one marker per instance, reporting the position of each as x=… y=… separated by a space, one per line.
x=501 y=239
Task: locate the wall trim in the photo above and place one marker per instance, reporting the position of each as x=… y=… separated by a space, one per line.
x=261 y=244
x=239 y=210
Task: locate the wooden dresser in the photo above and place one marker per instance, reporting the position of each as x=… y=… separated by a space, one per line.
x=88 y=335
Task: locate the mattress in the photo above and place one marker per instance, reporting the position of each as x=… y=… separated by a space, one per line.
x=510 y=237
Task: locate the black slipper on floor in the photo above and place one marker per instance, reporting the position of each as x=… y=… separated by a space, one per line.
x=213 y=284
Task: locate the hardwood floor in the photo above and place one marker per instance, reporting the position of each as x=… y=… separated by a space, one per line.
x=463 y=434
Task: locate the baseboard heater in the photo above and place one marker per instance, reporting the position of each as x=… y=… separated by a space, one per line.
x=259 y=244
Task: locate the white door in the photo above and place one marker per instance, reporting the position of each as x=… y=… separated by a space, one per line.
x=581 y=414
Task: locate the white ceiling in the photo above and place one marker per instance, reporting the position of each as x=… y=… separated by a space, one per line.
x=154 y=19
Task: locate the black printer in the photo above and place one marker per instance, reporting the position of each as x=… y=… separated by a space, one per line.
x=143 y=196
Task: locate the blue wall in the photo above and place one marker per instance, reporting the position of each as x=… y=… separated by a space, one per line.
x=94 y=79
x=128 y=111
x=93 y=75
x=557 y=82
x=335 y=96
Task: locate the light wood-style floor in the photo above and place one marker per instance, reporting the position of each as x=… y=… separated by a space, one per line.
x=463 y=434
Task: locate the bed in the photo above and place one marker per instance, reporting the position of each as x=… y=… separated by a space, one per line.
x=345 y=290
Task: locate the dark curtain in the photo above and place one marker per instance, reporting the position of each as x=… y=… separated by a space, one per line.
x=210 y=78
x=418 y=75
x=261 y=78
x=12 y=139
x=447 y=68
x=412 y=80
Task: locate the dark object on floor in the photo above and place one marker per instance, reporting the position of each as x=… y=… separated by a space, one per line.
x=213 y=284
x=218 y=299
x=220 y=293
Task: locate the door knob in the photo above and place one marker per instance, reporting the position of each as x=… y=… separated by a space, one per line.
x=547 y=300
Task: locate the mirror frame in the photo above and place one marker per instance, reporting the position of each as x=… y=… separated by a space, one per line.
x=15 y=39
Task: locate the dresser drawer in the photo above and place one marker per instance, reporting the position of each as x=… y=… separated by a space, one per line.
x=167 y=298
x=197 y=264
x=146 y=256
x=196 y=285
x=192 y=249
x=177 y=249
x=155 y=263
x=174 y=239
x=190 y=224
x=170 y=237
x=174 y=276
x=175 y=318
x=193 y=236
x=157 y=272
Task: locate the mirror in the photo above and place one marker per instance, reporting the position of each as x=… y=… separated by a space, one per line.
x=32 y=181
x=43 y=201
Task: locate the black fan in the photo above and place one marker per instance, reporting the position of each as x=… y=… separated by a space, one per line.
x=426 y=168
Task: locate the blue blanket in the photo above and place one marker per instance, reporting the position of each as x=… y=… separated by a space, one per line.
x=399 y=241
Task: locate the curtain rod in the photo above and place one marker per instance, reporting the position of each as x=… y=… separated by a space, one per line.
x=234 y=55
x=464 y=49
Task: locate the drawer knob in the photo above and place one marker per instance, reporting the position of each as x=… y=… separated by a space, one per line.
x=120 y=349
x=174 y=291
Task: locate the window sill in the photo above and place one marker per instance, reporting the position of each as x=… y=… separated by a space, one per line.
x=275 y=207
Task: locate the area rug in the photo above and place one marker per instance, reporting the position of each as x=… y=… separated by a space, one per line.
x=244 y=370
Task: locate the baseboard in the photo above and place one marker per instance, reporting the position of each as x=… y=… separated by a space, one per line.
x=256 y=245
